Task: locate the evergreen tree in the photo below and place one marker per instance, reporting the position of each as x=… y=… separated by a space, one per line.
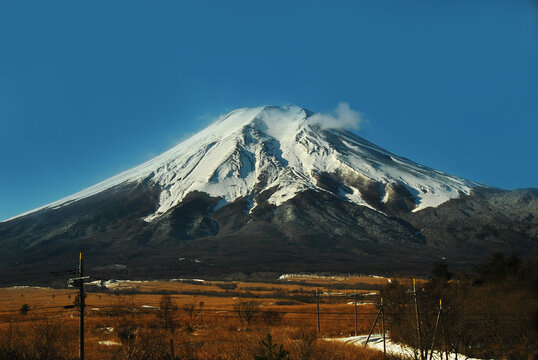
x=267 y=350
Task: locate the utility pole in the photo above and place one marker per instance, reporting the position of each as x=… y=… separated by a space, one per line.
x=372 y=328
x=356 y=319
x=443 y=333
x=81 y=301
x=172 y=354
x=435 y=329
x=419 y=331
x=383 y=329
x=317 y=305
x=79 y=281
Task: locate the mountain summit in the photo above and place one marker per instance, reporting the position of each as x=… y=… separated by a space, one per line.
x=284 y=151
x=272 y=189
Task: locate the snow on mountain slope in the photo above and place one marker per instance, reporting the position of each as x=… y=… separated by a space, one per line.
x=251 y=150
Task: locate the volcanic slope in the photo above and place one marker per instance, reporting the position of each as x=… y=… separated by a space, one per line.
x=268 y=189
x=252 y=150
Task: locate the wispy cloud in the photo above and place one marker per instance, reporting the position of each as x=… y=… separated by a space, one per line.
x=343 y=117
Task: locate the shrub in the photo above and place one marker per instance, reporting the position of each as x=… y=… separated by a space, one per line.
x=24 y=309
x=43 y=339
x=227 y=286
x=271 y=318
x=268 y=350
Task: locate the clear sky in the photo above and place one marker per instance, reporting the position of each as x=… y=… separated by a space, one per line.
x=91 y=88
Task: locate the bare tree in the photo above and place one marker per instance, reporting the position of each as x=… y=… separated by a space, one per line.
x=167 y=307
x=42 y=338
x=190 y=310
x=247 y=310
x=125 y=317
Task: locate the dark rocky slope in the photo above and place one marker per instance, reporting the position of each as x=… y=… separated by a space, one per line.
x=313 y=232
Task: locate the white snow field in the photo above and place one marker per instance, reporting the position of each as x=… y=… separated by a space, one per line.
x=250 y=150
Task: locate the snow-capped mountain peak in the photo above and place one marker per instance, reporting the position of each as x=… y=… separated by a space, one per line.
x=279 y=150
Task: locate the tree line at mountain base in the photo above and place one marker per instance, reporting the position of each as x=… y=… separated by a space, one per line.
x=492 y=314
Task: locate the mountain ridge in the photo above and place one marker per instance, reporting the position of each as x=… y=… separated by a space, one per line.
x=250 y=198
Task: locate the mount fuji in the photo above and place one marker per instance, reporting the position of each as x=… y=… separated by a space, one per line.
x=273 y=189
x=277 y=149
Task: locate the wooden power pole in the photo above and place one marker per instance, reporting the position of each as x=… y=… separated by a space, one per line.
x=81 y=301
x=435 y=329
x=356 y=319
x=372 y=328
x=419 y=330
x=79 y=281
x=383 y=329
x=317 y=305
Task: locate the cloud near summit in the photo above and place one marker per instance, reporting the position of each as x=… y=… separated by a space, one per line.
x=343 y=117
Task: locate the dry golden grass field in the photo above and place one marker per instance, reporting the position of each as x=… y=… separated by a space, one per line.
x=193 y=319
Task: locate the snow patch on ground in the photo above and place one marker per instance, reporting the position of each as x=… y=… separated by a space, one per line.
x=376 y=342
x=109 y=343
x=310 y=276
x=195 y=280
x=28 y=287
x=113 y=283
x=330 y=277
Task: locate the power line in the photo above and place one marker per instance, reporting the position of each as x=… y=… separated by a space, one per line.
x=33 y=309
x=204 y=309
x=43 y=316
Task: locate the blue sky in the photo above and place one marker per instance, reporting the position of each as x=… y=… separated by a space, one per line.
x=89 y=89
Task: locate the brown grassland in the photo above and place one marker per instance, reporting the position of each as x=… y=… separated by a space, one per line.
x=192 y=319
x=490 y=314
